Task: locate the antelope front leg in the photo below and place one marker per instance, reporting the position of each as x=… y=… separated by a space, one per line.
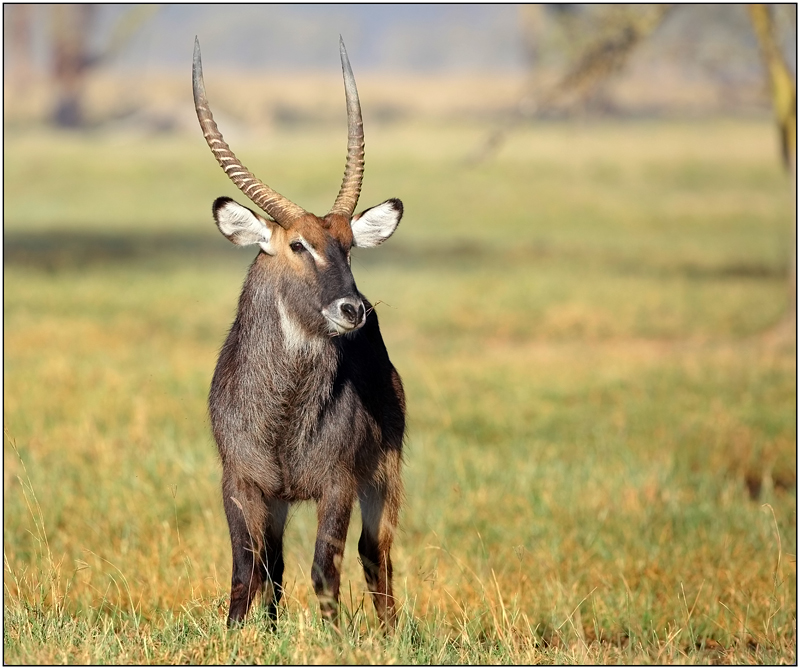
x=273 y=551
x=333 y=517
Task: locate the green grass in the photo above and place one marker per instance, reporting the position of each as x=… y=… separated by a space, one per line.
x=600 y=462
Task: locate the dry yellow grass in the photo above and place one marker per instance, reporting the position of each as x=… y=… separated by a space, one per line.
x=601 y=453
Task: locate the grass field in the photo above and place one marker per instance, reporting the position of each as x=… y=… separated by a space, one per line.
x=601 y=462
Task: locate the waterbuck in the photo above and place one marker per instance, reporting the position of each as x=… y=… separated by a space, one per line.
x=304 y=402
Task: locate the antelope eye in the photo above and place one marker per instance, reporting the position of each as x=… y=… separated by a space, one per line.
x=297 y=247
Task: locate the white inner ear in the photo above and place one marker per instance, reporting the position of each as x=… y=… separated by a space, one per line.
x=243 y=227
x=374 y=226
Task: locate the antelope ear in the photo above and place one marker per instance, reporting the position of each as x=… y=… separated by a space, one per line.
x=374 y=226
x=241 y=225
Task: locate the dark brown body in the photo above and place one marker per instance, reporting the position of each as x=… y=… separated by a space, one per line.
x=305 y=416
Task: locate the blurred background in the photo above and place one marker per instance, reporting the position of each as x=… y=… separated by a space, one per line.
x=109 y=65
x=591 y=299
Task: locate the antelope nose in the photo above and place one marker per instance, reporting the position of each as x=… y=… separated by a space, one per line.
x=352 y=312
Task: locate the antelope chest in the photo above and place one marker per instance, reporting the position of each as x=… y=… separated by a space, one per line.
x=315 y=429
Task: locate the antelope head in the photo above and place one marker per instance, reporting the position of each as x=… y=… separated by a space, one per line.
x=309 y=255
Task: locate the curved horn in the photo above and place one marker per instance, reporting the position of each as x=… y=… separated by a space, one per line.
x=347 y=198
x=277 y=206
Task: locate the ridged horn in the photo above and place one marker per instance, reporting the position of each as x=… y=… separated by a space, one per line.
x=347 y=199
x=272 y=202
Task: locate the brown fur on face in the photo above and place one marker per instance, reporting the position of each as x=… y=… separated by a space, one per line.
x=329 y=235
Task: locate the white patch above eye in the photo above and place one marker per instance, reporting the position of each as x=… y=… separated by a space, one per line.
x=321 y=262
x=242 y=226
x=374 y=226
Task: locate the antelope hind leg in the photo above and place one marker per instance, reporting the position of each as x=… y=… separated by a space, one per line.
x=246 y=511
x=380 y=506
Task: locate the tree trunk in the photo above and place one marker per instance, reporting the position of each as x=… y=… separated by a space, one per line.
x=70 y=26
x=784 y=104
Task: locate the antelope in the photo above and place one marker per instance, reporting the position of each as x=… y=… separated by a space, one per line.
x=304 y=402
